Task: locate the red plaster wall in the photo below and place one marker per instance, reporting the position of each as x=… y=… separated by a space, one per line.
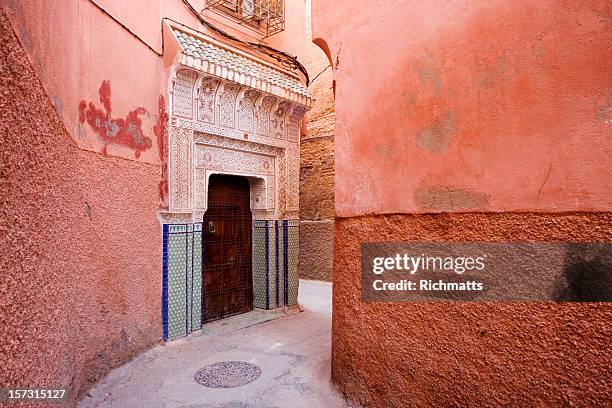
x=437 y=354
x=80 y=244
x=471 y=121
x=470 y=105
x=75 y=49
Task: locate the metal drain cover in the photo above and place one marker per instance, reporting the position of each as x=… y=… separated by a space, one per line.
x=227 y=374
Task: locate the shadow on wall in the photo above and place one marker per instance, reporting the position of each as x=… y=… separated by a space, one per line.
x=587 y=274
x=317 y=169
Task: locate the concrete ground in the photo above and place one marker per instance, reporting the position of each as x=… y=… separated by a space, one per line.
x=292 y=351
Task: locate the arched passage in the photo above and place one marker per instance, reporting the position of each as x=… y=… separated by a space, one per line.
x=317 y=166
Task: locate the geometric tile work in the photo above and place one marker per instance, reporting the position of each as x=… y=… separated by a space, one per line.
x=280 y=250
x=274 y=263
x=196 y=297
x=182 y=279
x=194 y=277
x=188 y=278
x=261 y=236
x=176 y=281
x=275 y=257
x=292 y=240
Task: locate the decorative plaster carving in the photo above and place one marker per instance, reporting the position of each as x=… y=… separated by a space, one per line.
x=227 y=103
x=204 y=56
x=182 y=94
x=232 y=143
x=200 y=190
x=258 y=193
x=216 y=154
x=206 y=99
x=293 y=180
x=180 y=150
x=263 y=117
x=293 y=123
x=229 y=128
x=246 y=111
x=282 y=183
x=278 y=119
x=221 y=158
x=270 y=194
x=176 y=217
x=232 y=133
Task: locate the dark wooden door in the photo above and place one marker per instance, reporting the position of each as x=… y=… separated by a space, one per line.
x=226 y=249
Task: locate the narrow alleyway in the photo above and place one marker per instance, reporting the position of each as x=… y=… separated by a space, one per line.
x=293 y=353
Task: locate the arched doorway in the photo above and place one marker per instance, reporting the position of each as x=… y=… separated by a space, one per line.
x=227 y=282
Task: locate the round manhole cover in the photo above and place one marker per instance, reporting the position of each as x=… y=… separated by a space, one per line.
x=227 y=374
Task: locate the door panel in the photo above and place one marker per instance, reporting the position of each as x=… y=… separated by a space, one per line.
x=226 y=249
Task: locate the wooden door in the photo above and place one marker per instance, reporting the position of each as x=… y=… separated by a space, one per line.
x=226 y=249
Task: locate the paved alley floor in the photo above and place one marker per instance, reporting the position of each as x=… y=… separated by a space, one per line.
x=293 y=353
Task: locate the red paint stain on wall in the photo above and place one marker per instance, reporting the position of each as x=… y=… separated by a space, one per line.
x=126 y=132
x=161 y=132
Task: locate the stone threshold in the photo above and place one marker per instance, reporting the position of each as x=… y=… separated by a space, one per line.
x=243 y=320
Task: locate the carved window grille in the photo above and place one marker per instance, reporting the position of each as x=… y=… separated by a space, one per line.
x=267 y=16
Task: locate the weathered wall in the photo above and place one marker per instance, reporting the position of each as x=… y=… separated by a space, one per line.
x=316 y=250
x=317 y=178
x=486 y=106
x=84 y=146
x=100 y=63
x=316 y=207
x=80 y=244
x=498 y=110
x=317 y=168
x=468 y=354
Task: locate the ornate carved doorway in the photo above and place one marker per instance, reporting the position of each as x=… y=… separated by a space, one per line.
x=226 y=249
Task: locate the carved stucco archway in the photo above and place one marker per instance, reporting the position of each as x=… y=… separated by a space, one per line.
x=230 y=114
x=260 y=165
x=258 y=192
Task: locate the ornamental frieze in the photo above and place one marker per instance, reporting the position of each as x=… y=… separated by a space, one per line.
x=222 y=123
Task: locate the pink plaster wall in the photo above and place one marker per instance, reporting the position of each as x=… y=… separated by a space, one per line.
x=75 y=48
x=462 y=105
x=495 y=116
x=80 y=253
x=80 y=288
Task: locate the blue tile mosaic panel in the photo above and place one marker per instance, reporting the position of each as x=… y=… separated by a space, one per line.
x=275 y=274
x=275 y=257
x=181 y=280
x=261 y=263
x=292 y=238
